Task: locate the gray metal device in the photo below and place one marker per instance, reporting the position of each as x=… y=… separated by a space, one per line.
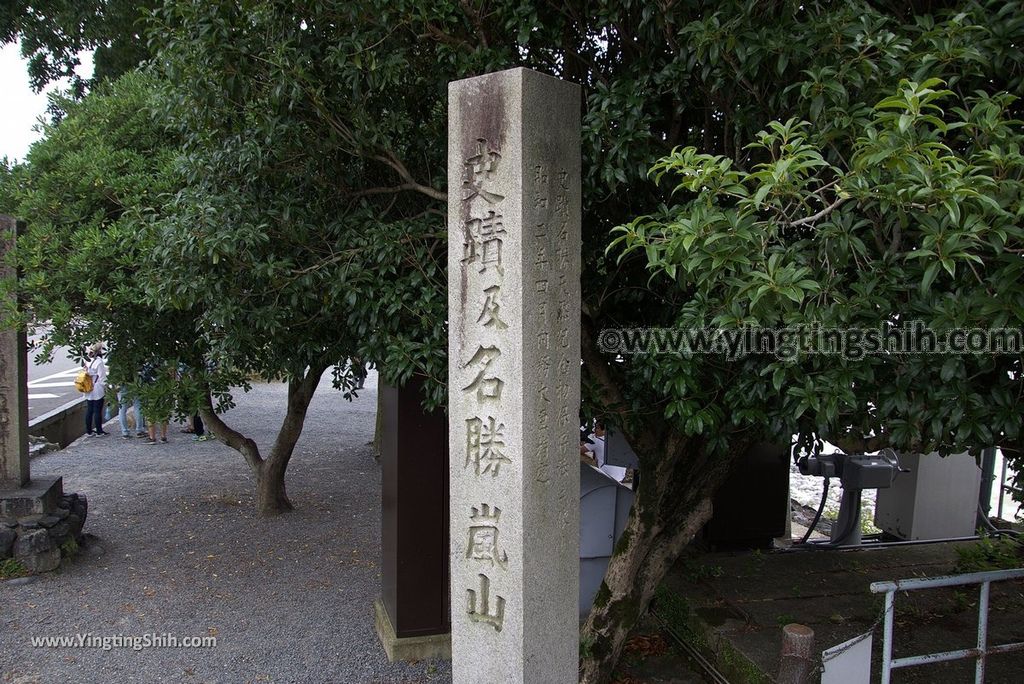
x=617 y=451
x=604 y=508
x=856 y=472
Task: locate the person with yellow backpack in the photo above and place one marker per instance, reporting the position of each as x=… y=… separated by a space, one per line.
x=96 y=370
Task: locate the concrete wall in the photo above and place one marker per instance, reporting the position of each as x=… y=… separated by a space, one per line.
x=62 y=425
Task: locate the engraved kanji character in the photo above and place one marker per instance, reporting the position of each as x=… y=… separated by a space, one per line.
x=542 y=311
x=483 y=240
x=485 y=444
x=486 y=386
x=563 y=179
x=478 y=169
x=563 y=257
x=541 y=260
x=491 y=314
x=483 y=536
x=542 y=462
x=479 y=611
x=562 y=205
x=563 y=338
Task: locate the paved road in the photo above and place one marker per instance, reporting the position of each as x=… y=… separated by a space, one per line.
x=50 y=385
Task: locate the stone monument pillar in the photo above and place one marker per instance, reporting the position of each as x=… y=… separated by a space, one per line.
x=36 y=519
x=14 y=472
x=514 y=376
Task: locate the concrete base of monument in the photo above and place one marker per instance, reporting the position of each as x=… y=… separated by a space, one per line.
x=409 y=648
x=39 y=497
x=39 y=526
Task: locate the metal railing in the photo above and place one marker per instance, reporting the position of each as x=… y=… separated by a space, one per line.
x=981 y=651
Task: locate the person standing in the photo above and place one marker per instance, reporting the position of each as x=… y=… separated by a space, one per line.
x=158 y=405
x=97 y=370
x=122 y=414
x=199 y=429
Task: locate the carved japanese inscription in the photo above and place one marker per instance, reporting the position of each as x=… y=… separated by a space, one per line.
x=513 y=364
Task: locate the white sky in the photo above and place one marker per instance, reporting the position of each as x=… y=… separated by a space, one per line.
x=20 y=108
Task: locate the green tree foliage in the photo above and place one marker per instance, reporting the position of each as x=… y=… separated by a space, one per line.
x=912 y=216
x=313 y=140
x=54 y=32
x=312 y=210
x=89 y=190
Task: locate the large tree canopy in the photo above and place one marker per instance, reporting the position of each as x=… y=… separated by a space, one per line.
x=54 y=32
x=849 y=164
x=90 y=190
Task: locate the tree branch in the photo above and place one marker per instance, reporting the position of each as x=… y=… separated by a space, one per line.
x=476 y=20
x=392 y=161
x=817 y=217
x=394 y=189
x=300 y=393
x=234 y=439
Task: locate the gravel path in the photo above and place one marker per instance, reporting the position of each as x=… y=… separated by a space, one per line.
x=178 y=550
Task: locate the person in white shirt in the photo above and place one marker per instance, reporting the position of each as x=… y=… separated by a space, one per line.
x=97 y=370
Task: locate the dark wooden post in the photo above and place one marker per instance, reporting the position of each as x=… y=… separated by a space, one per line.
x=413 y=617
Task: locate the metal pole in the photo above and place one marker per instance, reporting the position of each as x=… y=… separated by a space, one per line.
x=890 y=601
x=1002 y=487
x=988 y=475
x=979 y=671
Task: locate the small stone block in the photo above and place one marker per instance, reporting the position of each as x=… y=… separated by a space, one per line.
x=60 y=533
x=31 y=543
x=39 y=497
x=80 y=506
x=409 y=649
x=76 y=524
x=30 y=522
x=44 y=561
x=7 y=537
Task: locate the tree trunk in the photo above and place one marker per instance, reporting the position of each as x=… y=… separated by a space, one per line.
x=678 y=479
x=271 y=496
x=643 y=556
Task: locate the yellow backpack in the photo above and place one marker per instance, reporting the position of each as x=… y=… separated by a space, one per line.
x=83 y=383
